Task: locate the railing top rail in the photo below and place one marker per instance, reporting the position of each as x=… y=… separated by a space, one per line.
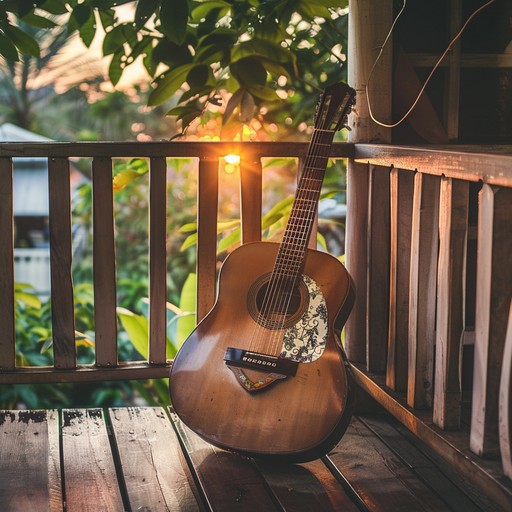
x=170 y=149
x=489 y=164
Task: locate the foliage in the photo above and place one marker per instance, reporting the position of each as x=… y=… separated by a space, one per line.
x=245 y=56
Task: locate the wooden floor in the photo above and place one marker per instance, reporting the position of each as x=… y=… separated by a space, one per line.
x=144 y=459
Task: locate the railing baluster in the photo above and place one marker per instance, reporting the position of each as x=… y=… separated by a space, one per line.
x=494 y=291
x=378 y=269
x=157 y=260
x=401 y=187
x=104 y=263
x=250 y=198
x=453 y=230
x=355 y=259
x=423 y=288
x=208 y=198
x=7 y=310
x=63 y=321
x=505 y=402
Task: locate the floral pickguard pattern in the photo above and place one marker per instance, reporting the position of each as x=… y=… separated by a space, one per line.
x=305 y=341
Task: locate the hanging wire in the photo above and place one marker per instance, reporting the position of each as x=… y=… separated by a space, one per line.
x=404 y=117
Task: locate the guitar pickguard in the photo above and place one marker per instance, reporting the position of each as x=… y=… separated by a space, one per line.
x=305 y=341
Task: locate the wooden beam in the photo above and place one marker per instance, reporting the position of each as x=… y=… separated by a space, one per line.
x=505 y=403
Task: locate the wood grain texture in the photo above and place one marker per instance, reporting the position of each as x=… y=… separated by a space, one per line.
x=380 y=477
x=494 y=292
x=228 y=481
x=369 y=23
x=423 y=289
x=308 y=486
x=88 y=463
x=250 y=197
x=378 y=233
x=505 y=403
x=63 y=319
x=157 y=260
x=451 y=289
x=295 y=418
x=401 y=198
x=355 y=257
x=30 y=476
x=104 y=263
x=155 y=473
x=207 y=204
x=7 y=317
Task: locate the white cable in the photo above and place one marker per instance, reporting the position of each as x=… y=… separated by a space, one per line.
x=404 y=117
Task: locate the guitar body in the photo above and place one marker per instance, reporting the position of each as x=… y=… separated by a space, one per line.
x=257 y=412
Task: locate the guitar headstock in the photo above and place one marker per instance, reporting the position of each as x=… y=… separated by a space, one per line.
x=334 y=106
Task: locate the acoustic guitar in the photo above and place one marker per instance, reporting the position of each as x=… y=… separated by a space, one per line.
x=264 y=373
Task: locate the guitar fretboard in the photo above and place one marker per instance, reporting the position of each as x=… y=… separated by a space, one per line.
x=295 y=241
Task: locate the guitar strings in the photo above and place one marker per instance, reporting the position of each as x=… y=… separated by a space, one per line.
x=287 y=269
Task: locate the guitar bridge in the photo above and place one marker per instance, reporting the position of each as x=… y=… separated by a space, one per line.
x=257 y=361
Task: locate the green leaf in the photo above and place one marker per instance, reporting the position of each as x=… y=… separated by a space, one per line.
x=137 y=328
x=82 y=13
x=87 y=31
x=54 y=6
x=124 y=178
x=205 y=8
x=114 y=39
x=145 y=9
x=25 y=43
x=29 y=299
x=38 y=21
x=186 y=324
x=249 y=71
x=115 y=68
x=169 y=84
x=174 y=19
x=7 y=49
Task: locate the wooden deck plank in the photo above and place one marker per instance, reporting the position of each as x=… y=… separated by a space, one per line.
x=382 y=480
x=308 y=486
x=228 y=481
x=30 y=473
x=155 y=472
x=90 y=482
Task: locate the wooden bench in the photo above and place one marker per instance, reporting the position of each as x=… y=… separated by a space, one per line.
x=144 y=458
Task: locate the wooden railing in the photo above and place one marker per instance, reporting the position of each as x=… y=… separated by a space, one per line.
x=429 y=245
x=60 y=155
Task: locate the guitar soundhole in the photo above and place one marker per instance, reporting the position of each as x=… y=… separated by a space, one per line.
x=272 y=305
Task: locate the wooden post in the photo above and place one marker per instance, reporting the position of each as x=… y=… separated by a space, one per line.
x=453 y=231
x=377 y=291
x=494 y=291
x=505 y=403
x=104 y=263
x=207 y=204
x=401 y=187
x=157 y=260
x=7 y=309
x=250 y=198
x=63 y=315
x=422 y=289
x=369 y=22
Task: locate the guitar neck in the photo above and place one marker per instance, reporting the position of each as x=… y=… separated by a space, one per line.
x=303 y=213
